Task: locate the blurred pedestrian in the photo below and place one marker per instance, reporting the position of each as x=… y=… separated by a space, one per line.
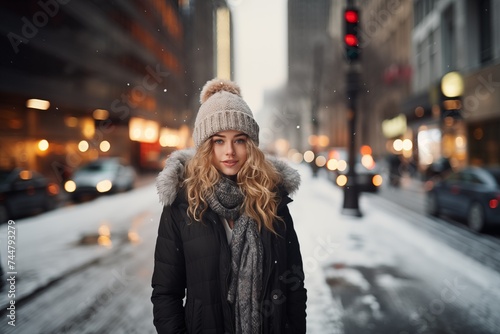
x=395 y=169
x=226 y=240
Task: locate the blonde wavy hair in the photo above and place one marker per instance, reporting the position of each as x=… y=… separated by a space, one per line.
x=257 y=179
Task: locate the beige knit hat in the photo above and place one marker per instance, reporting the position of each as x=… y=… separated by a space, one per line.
x=222 y=108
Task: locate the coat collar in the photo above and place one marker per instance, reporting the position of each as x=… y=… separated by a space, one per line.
x=170 y=179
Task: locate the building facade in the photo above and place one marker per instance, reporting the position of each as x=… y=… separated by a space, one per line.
x=87 y=79
x=459 y=37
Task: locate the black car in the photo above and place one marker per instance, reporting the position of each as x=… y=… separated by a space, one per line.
x=472 y=194
x=24 y=193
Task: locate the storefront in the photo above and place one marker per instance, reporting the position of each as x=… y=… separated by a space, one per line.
x=481 y=112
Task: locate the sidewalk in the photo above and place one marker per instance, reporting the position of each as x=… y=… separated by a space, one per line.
x=383 y=272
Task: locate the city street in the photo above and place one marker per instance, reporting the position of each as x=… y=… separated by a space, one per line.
x=87 y=268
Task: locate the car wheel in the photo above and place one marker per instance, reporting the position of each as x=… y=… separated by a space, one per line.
x=432 y=204
x=475 y=217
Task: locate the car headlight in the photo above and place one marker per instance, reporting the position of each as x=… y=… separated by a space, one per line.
x=377 y=180
x=104 y=186
x=70 y=186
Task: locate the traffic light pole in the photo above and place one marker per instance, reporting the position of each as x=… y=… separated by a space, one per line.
x=351 y=43
x=351 y=191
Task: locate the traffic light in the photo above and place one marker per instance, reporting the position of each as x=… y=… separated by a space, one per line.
x=351 y=33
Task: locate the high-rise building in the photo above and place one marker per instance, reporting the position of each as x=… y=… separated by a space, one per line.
x=307 y=41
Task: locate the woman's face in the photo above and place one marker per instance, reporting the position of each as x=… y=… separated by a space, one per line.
x=229 y=151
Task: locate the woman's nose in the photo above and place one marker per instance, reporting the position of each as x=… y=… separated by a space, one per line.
x=230 y=149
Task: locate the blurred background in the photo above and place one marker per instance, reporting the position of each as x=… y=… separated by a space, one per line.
x=94 y=95
x=82 y=80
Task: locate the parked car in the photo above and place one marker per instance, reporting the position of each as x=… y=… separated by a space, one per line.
x=24 y=193
x=99 y=177
x=472 y=194
x=367 y=172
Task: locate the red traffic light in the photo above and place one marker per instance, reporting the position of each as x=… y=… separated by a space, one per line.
x=351 y=16
x=351 y=40
x=351 y=33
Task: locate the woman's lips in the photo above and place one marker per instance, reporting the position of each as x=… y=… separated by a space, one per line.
x=229 y=163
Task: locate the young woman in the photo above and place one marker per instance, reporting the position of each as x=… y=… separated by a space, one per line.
x=226 y=242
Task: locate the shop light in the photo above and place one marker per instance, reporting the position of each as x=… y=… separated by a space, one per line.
x=83 y=146
x=100 y=114
x=332 y=164
x=169 y=138
x=43 y=145
x=71 y=122
x=342 y=166
x=105 y=146
x=320 y=161
x=407 y=145
x=143 y=130
x=38 y=104
x=398 y=145
x=323 y=141
x=308 y=156
x=297 y=157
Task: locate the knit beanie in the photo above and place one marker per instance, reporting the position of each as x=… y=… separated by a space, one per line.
x=222 y=108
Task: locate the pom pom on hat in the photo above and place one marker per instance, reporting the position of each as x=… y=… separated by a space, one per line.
x=222 y=108
x=217 y=85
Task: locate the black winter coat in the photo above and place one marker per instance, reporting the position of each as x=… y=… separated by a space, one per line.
x=192 y=261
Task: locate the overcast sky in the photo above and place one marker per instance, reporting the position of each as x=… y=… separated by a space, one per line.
x=260 y=46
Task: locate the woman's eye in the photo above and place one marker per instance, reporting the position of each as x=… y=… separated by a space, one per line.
x=240 y=141
x=218 y=141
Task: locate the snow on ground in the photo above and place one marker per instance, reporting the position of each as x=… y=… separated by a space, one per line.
x=334 y=248
x=333 y=244
x=48 y=245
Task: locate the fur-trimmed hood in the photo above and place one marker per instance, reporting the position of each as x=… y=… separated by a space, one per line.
x=171 y=177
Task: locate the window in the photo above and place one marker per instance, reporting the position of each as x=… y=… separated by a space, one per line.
x=484 y=19
x=448 y=39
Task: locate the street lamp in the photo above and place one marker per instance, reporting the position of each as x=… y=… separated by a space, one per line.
x=452 y=88
x=452 y=84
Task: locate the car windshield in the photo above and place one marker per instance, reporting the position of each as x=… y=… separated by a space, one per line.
x=496 y=175
x=99 y=167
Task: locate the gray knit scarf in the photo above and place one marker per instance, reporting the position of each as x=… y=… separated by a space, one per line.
x=246 y=256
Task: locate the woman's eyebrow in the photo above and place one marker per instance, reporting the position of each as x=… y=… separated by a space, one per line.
x=238 y=135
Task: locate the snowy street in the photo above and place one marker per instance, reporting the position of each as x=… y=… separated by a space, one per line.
x=87 y=268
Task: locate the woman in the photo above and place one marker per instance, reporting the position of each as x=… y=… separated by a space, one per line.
x=226 y=241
